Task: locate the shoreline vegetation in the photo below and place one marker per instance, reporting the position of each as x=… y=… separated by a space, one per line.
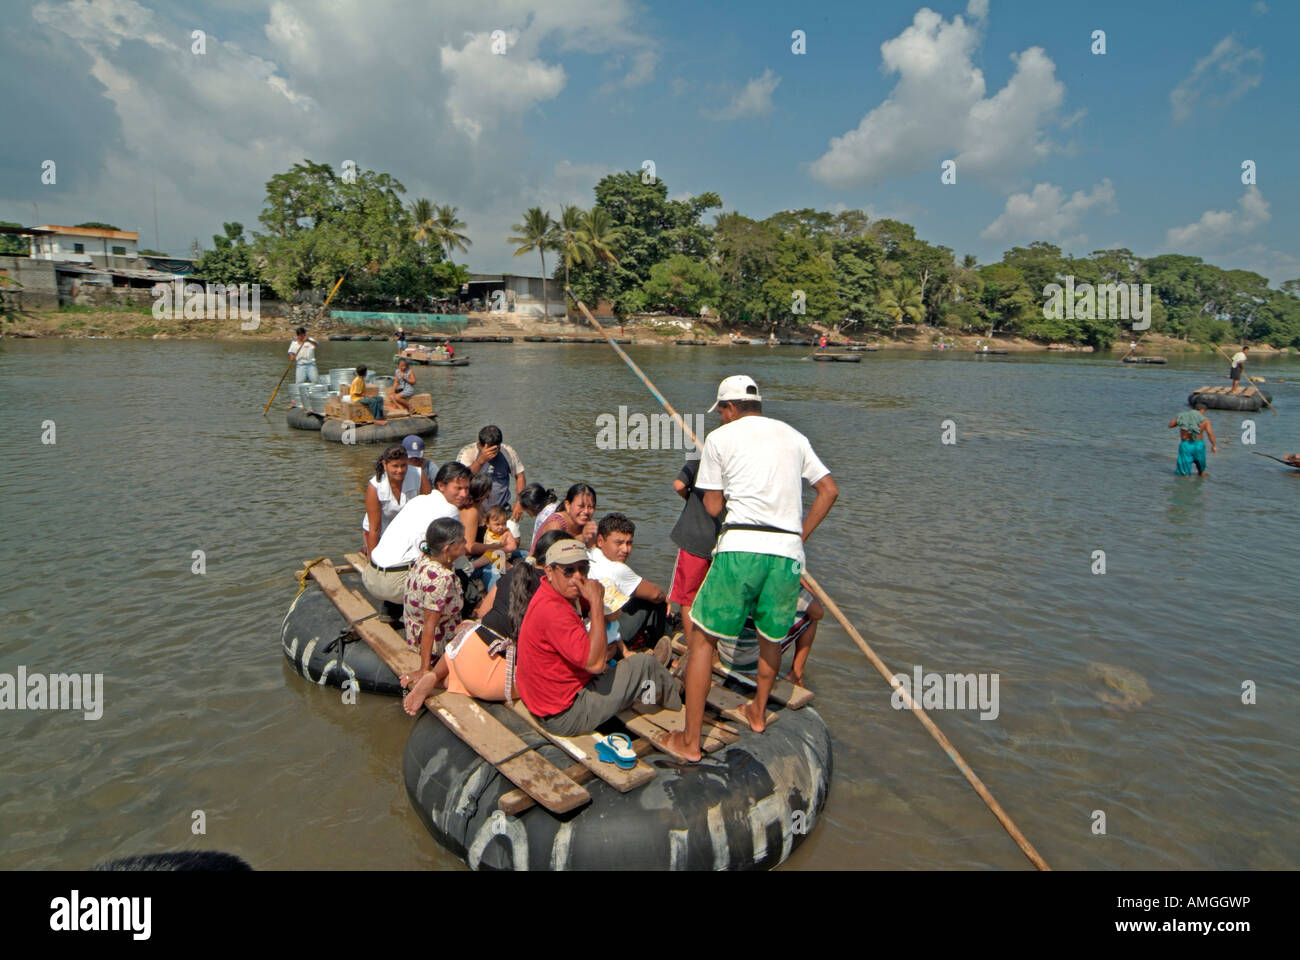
x=654 y=260
x=119 y=323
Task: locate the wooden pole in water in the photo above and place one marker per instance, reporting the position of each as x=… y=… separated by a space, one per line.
x=291 y=359
x=1134 y=347
x=1262 y=399
x=1025 y=846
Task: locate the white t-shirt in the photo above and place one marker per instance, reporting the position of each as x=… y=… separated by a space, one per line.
x=304 y=352
x=542 y=516
x=619 y=580
x=388 y=507
x=400 y=543
x=1238 y=358
x=758 y=463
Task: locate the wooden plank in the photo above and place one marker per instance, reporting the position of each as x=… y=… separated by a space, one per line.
x=728 y=703
x=583 y=749
x=783 y=691
x=515 y=802
x=523 y=766
x=383 y=639
x=341 y=568
x=357 y=559
x=674 y=721
x=422 y=404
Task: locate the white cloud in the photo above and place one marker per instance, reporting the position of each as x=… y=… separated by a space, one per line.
x=1252 y=212
x=640 y=73
x=938 y=109
x=1259 y=7
x=977 y=9
x=487 y=85
x=753 y=101
x=1045 y=214
x=1226 y=65
x=678 y=86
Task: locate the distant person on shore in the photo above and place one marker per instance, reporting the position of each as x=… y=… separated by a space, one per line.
x=303 y=350
x=1193 y=427
x=1239 y=368
x=489 y=453
x=403 y=388
x=357 y=393
x=754 y=467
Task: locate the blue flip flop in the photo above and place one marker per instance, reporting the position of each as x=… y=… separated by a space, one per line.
x=616 y=748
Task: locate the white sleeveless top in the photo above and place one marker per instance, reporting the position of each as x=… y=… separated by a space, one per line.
x=388 y=507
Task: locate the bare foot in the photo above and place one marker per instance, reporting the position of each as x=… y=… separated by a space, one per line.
x=795 y=678
x=414 y=700
x=757 y=723
x=381 y=423
x=676 y=742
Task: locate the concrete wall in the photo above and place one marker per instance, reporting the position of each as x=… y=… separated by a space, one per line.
x=40 y=285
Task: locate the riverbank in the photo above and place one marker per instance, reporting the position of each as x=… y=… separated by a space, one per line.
x=84 y=323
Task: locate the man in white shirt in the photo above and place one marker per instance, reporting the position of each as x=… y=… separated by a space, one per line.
x=755 y=466
x=1238 y=367
x=303 y=350
x=384 y=576
x=636 y=607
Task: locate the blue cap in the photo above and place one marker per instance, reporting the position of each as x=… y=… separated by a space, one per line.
x=414 y=445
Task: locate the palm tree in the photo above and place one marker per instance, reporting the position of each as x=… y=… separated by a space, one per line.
x=422 y=214
x=600 y=234
x=447 y=227
x=537 y=232
x=572 y=240
x=903 y=299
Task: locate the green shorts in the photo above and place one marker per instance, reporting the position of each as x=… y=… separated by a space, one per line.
x=740 y=585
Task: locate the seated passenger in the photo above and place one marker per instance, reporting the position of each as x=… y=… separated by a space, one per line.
x=393 y=484
x=481 y=656
x=403 y=388
x=573 y=516
x=473 y=515
x=493 y=562
x=357 y=393
x=563 y=672
x=433 y=599
x=641 y=607
x=539 y=503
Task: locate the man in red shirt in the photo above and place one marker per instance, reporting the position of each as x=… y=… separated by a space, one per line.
x=562 y=665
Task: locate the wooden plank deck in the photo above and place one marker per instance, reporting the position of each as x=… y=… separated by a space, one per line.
x=495 y=743
x=583 y=749
x=784 y=692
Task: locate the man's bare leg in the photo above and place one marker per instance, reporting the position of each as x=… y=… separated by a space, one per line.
x=769 y=662
x=802 y=647
x=699 y=677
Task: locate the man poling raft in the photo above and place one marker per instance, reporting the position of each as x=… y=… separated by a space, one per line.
x=900 y=689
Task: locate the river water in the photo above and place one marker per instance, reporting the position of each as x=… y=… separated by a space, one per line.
x=971 y=557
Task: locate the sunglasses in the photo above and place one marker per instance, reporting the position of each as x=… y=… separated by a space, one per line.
x=569 y=569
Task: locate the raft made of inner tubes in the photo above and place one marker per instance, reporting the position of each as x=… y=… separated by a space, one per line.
x=534 y=339
x=340 y=336
x=1145 y=360
x=1250 y=400
x=691 y=343
x=321 y=646
x=391 y=432
x=744 y=807
x=301 y=419
x=838 y=357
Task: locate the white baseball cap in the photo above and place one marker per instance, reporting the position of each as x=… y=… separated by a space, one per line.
x=739 y=387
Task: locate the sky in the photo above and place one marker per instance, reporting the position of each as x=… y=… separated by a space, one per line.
x=1141 y=146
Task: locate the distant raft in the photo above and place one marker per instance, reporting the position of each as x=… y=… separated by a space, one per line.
x=1250 y=400
x=838 y=357
x=1145 y=360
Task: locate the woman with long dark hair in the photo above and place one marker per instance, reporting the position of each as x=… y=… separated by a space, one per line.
x=387 y=492
x=480 y=659
x=433 y=596
x=573 y=516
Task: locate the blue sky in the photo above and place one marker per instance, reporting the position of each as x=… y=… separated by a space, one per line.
x=1140 y=147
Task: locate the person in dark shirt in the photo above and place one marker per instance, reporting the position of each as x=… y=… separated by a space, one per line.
x=695 y=534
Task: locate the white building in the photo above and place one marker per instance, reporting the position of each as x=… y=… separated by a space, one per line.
x=86 y=245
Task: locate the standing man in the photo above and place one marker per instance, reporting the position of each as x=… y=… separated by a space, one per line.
x=695 y=534
x=303 y=350
x=754 y=466
x=401 y=339
x=1193 y=427
x=501 y=458
x=1239 y=367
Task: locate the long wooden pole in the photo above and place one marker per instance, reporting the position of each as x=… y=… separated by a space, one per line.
x=292 y=359
x=1021 y=841
x=1250 y=383
x=1134 y=347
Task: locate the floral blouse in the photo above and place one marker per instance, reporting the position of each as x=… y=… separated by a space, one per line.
x=431 y=586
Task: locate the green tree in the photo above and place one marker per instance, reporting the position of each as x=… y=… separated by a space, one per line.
x=447 y=227
x=98 y=225
x=1007 y=300
x=148 y=252
x=537 y=232
x=681 y=284
x=423 y=223
x=12 y=245
x=902 y=301
x=230 y=261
